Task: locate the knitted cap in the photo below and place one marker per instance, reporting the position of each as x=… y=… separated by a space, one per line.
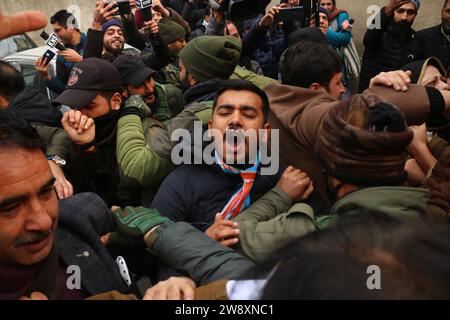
x=113 y=22
x=171 y=31
x=209 y=57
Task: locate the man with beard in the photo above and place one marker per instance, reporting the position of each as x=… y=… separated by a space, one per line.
x=94 y=91
x=106 y=37
x=197 y=193
x=391 y=42
x=66 y=28
x=435 y=41
x=148 y=108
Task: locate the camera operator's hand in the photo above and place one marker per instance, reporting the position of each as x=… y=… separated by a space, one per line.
x=269 y=19
x=393 y=5
x=151 y=25
x=42 y=68
x=70 y=55
x=103 y=11
x=158 y=7
x=218 y=15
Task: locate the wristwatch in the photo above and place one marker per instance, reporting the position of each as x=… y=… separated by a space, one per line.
x=58 y=160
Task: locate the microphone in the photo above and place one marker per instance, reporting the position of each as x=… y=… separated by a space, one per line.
x=52 y=41
x=347 y=25
x=144 y=7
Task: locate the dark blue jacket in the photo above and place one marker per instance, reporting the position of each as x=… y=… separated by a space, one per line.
x=58 y=84
x=196 y=193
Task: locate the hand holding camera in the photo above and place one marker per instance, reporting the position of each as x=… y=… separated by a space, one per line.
x=272 y=16
x=150 y=26
x=158 y=7
x=103 y=11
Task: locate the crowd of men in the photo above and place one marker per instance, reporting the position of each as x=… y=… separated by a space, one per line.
x=361 y=157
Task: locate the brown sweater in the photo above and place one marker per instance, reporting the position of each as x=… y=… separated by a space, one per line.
x=298 y=114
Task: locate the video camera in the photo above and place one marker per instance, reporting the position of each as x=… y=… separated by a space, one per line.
x=309 y=8
x=123 y=5
x=145 y=6
x=237 y=9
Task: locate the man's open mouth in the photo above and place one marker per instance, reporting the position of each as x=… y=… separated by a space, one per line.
x=235 y=140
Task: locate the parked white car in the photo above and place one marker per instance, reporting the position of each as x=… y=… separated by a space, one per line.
x=14 y=44
x=24 y=61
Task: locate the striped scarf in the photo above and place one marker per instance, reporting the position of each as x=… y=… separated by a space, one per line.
x=241 y=198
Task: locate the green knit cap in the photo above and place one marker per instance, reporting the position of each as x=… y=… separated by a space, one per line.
x=209 y=57
x=171 y=31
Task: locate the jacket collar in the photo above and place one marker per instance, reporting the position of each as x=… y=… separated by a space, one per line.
x=203 y=91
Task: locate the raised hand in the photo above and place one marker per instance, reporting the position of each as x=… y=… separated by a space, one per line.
x=79 y=128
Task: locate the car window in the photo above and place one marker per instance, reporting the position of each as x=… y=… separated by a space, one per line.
x=24 y=42
x=15 y=44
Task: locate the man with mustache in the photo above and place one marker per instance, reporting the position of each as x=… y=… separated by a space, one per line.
x=39 y=238
x=196 y=193
x=390 y=43
x=435 y=41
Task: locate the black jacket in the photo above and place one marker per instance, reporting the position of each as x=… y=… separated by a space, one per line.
x=35 y=107
x=385 y=50
x=98 y=171
x=194 y=13
x=435 y=44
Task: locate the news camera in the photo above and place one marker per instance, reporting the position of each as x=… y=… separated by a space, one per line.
x=237 y=9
